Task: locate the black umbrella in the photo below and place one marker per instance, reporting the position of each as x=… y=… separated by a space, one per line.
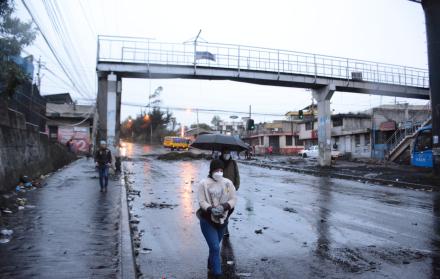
x=219 y=142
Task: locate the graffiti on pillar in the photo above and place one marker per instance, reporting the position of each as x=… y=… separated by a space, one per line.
x=322 y=123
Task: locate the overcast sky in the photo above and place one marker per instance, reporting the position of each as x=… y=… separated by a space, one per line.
x=388 y=31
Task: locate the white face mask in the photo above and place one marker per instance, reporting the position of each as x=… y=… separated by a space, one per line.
x=217 y=175
x=226 y=156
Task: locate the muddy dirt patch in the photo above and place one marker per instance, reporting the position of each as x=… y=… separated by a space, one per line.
x=159 y=205
x=185 y=156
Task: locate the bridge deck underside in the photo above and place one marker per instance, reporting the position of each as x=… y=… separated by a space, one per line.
x=159 y=71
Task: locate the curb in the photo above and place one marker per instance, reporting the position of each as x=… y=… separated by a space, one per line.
x=126 y=249
x=385 y=182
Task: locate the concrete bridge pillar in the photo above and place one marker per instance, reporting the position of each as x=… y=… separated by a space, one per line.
x=323 y=96
x=432 y=20
x=109 y=105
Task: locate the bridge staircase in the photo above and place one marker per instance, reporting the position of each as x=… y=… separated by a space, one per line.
x=402 y=139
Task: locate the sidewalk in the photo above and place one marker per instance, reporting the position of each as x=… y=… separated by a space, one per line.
x=74 y=230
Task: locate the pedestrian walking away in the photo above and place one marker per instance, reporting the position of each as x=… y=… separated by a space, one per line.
x=217 y=198
x=230 y=172
x=103 y=160
x=270 y=151
x=69 y=145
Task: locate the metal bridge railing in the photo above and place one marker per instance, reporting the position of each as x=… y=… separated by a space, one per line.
x=148 y=51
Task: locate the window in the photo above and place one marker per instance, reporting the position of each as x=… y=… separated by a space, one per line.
x=309 y=126
x=337 y=122
x=357 y=140
x=367 y=139
x=424 y=141
x=53 y=132
x=289 y=140
x=298 y=142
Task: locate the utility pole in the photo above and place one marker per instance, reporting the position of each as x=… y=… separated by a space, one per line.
x=95 y=127
x=250 y=117
x=197 y=113
x=195 y=49
x=39 y=74
x=313 y=113
x=38 y=81
x=151 y=132
x=156 y=93
x=149 y=114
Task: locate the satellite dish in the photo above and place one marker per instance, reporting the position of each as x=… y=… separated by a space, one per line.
x=233 y=116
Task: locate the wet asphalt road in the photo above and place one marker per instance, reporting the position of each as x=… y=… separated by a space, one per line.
x=67 y=230
x=312 y=227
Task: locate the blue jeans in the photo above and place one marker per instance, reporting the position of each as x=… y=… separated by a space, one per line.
x=213 y=237
x=103 y=176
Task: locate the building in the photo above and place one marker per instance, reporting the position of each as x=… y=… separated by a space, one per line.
x=62 y=98
x=192 y=134
x=27 y=99
x=232 y=127
x=390 y=119
x=350 y=134
x=282 y=135
x=67 y=121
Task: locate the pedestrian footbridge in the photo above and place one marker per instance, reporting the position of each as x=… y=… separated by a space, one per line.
x=126 y=57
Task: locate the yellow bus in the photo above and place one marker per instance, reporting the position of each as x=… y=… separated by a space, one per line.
x=176 y=143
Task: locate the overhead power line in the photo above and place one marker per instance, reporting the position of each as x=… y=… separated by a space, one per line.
x=82 y=91
x=204 y=110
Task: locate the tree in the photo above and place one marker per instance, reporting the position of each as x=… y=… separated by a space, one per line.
x=216 y=121
x=202 y=126
x=14 y=36
x=139 y=129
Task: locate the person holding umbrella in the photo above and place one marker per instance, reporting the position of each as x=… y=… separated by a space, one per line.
x=217 y=198
x=230 y=172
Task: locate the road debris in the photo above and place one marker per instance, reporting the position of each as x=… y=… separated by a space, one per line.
x=289 y=209
x=185 y=156
x=159 y=205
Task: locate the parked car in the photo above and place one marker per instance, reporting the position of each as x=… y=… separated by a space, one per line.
x=313 y=152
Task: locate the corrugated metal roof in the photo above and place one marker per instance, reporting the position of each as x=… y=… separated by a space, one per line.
x=69 y=110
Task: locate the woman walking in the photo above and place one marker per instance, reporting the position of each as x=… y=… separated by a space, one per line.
x=216 y=199
x=230 y=171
